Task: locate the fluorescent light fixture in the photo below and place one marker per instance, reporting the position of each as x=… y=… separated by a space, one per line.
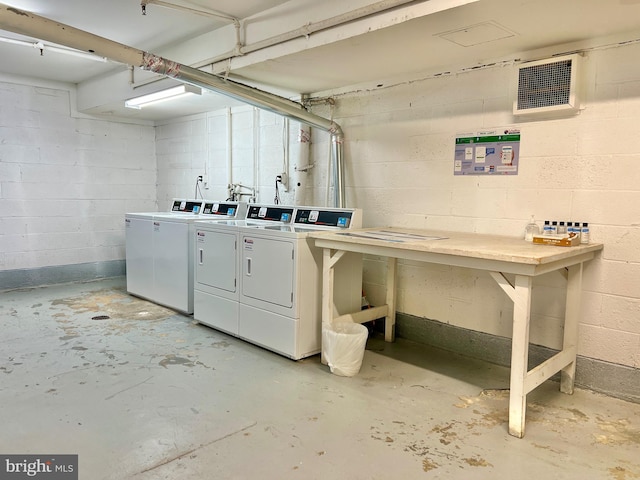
x=52 y=48
x=162 y=96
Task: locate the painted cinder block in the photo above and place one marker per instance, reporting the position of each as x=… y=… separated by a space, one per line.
x=62 y=174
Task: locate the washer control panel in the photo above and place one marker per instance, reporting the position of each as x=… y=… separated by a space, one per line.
x=180 y=205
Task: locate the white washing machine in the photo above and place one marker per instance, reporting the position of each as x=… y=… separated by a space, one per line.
x=159 y=254
x=217 y=265
x=281 y=281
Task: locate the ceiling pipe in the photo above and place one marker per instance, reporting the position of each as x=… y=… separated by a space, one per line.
x=45 y=47
x=27 y=23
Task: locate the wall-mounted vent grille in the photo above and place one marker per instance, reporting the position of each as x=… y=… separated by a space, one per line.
x=547 y=86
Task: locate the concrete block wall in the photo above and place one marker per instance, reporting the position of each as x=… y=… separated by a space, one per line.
x=66 y=181
x=240 y=145
x=399 y=144
x=180 y=153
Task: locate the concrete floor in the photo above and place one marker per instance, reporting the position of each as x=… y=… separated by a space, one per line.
x=149 y=394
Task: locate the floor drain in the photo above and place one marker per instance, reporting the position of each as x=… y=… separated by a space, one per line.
x=100 y=317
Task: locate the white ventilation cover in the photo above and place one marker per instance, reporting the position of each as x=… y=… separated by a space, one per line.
x=547 y=86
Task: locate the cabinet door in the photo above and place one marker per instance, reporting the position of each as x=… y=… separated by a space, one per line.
x=216 y=261
x=268 y=270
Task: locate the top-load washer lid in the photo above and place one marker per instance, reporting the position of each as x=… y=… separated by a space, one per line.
x=140 y=215
x=172 y=217
x=177 y=207
x=223 y=210
x=270 y=227
x=219 y=224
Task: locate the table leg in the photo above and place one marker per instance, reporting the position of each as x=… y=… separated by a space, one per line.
x=519 y=354
x=329 y=259
x=390 y=319
x=571 y=320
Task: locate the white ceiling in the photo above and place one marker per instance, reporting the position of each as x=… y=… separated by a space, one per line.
x=482 y=32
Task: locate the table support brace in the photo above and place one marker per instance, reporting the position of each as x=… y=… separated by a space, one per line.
x=498 y=255
x=522 y=380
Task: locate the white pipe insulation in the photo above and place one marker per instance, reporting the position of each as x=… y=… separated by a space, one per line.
x=29 y=24
x=302 y=167
x=229 y=152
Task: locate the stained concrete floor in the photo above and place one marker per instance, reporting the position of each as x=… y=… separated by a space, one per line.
x=148 y=394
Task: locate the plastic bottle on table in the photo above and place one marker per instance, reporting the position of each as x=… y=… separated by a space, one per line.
x=562 y=229
x=531 y=229
x=584 y=233
x=577 y=230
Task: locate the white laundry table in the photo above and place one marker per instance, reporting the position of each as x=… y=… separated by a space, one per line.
x=512 y=262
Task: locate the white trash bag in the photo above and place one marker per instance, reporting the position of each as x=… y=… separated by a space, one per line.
x=343 y=347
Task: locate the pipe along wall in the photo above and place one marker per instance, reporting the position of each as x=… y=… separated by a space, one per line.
x=27 y=23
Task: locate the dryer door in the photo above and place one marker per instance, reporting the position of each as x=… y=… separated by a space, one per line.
x=216 y=259
x=268 y=270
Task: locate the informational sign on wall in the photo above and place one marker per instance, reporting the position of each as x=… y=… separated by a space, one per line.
x=488 y=152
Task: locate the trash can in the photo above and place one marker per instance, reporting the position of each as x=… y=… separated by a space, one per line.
x=343 y=347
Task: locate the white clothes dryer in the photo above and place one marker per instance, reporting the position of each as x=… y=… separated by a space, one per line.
x=217 y=266
x=281 y=281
